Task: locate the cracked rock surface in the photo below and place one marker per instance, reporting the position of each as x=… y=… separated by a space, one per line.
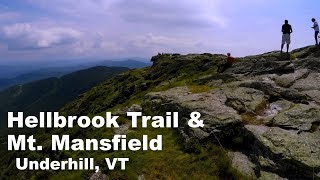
x=272 y=103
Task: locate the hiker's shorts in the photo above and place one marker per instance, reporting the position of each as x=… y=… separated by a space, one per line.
x=286 y=39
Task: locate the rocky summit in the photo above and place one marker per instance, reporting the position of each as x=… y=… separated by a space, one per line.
x=263 y=113
x=264 y=110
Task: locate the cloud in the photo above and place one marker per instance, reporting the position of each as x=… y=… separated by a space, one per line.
x=152 y=43
x=123 y=25
x=186 y=13
x=28 y=36
x=117 y=28
x=178 y=13
x=73 y=8
x=8 y=16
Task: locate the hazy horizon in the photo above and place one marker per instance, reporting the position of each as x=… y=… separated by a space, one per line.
x=42 y=30
x=64 y=62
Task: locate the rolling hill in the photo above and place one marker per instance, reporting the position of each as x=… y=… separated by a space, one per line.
x=20 y=74
x=52 y=93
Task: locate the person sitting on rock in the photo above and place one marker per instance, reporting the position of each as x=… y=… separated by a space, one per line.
x=316 y=30
x=286 y=30
x=229 y=62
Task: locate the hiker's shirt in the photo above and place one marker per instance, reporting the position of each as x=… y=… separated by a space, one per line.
x=230 y=60
x=316 y=26
x=286 y=29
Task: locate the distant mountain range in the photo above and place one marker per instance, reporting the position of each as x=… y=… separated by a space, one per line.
x=129 y=63
x=52 y=93
x=13 y=75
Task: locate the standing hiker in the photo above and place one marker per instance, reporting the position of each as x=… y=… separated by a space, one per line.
x=230 y=60
x=316 y=30
x=286 y=32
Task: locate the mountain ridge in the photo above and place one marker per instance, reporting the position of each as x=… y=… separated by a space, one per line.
x=260 y=101
x=24 y=76
x=51 y=93
x=261 y=118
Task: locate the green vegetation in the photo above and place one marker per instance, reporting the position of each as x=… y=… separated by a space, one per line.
x=52 y=93
x=174 y=162
x=202 y=161
x=293 y=57
x=167 y=72
x=199 y=88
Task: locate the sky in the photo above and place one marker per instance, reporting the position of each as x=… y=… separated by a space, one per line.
x=44 y=30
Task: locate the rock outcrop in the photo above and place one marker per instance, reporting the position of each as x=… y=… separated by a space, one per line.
x=268 y=101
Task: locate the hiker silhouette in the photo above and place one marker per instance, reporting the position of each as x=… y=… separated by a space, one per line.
x=286 y=32
x=316 y=30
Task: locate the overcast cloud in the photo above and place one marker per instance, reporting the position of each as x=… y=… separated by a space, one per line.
x=71 y=29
